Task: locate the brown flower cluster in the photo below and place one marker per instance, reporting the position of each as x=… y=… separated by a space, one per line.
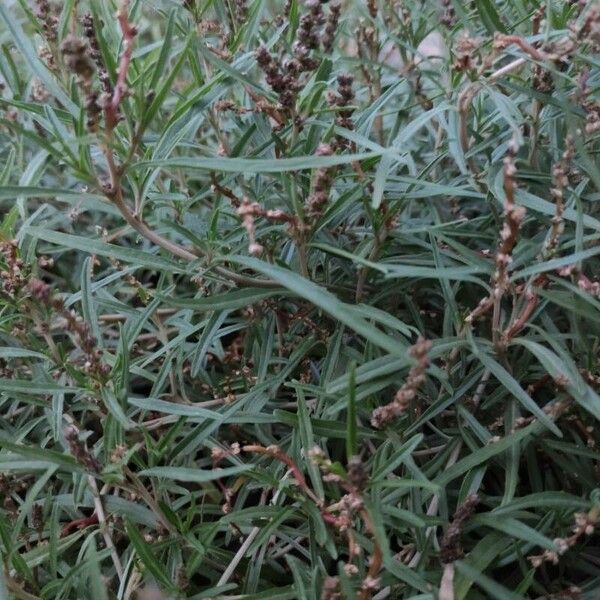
x=79 y=329
x=314 y=204
x=342 y=101
x=513 y=217
x=467 y=53
x=331 y=589
x=384 y=415
x=589 y=30
x=13 y=276
x=76 y=55
x=241 y=10
x=80 y=452
x=448 y=14
x=48 y=21
x=314 y=31
x=590 y=106
x=560 y=181
x=450 y=546
x=17 y=282
x=331 y=26
x=308 y=37
x=342 y=516
x=89 y=30
x=284 y=84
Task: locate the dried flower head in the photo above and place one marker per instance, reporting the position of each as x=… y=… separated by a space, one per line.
x=335 y=9
x=450 y=546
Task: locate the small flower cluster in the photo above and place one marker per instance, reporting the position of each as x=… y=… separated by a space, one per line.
x=13 y=276
x=249 y=211
x=331 y=589
x=466 y=53
x=284 y=84
x=384 y=415
x=49 y=22
x=372 y=8
x=589 y=30
x=314 y=204
x=284 y=77
x=560 y=180
x=39 y=93
x=80 y=452
x=448 y=14
x=241 y=10
x=513 y=217
x=342 y=101
x=588 y=285
x=590 y=106
x=308 y=37
x=331 y=26
x=81 y=331
x=323 y=178
x=89 y=30
x=585 y=524
x=583 y=281
x=450 y=546
x=77 y=57
x=344 y=513
x=357 y=473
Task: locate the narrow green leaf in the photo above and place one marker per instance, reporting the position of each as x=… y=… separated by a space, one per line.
x=194 y=475
x=509 y=382
x=324 y=300
x=351 y=426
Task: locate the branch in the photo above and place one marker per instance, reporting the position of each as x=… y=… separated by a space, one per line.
x=129 y=32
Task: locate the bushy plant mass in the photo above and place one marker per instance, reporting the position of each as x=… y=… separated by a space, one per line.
x=299 y=299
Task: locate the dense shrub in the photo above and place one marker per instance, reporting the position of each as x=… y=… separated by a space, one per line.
x=299 y=299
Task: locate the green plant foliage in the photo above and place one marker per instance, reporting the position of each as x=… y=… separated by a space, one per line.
x=299 y=299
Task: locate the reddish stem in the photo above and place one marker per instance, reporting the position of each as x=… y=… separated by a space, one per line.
x=129 y=33
x=532 y=300
x=281 y=456
x=79 y=524
x=505 y=40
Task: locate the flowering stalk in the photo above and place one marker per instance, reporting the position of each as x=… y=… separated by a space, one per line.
x=513 y=217
x=331 y=26
x=313 y=207
x=384 y=415
x=585 y=524
x=560 y=178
